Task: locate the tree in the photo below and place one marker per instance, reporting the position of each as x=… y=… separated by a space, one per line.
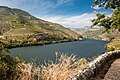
x=112 y=4
x=112 y=22
x=102 y=20
x=116 y=19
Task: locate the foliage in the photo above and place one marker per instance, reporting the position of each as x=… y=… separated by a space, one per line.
x=112 y=22
x=112 y=4
x=7 y=65
x=101 y=20
x=116 y=19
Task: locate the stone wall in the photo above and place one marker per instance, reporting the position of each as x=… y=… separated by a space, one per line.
x=95 y=66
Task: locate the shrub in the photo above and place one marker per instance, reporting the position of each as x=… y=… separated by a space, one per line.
x=7 y=66
x=113 y=45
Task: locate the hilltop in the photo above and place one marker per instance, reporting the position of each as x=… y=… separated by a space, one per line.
x=18 y=26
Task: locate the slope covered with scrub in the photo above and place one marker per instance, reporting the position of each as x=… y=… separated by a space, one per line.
x=19 y=26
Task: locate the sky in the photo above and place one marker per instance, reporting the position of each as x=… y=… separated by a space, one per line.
x=69 y=13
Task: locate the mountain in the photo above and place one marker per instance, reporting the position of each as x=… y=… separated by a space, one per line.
x=89 y=32
x=19 y=26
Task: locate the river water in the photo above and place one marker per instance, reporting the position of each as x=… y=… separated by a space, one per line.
x=86 y=48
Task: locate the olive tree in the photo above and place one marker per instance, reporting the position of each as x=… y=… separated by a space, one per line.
x=108 y=22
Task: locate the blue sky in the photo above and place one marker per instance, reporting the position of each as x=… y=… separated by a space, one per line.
x=69 y=13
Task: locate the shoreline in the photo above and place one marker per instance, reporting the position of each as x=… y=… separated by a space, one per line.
x=47 y=43
x=39 y=44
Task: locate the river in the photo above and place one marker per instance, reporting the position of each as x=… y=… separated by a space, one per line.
x=86 y=48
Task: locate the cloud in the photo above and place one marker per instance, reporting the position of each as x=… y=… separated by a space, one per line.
x=95 y=7
x=8 y=2
x=72 y=21
x=38 y=7
x=32 y=6
x=65 y=2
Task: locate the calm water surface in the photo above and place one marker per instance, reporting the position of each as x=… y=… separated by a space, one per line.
x=87 y=48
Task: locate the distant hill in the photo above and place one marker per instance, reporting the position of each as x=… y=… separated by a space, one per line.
x=18 y=25
x=101 y=34
x=88 y=32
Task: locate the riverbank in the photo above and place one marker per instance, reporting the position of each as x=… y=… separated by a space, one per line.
x=41 y=43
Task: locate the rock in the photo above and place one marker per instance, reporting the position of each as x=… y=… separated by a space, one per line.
x=95 y=66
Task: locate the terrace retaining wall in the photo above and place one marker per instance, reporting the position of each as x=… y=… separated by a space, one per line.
x=95 y=66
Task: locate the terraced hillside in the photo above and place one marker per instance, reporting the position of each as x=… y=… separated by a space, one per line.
x=19 y=26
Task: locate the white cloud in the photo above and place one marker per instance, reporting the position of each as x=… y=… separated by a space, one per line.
x=66 y=2
x=32 y=6
x=36 y=7
x=63 y=1
x=8 y=2
x=72 y=21
x=96 y=7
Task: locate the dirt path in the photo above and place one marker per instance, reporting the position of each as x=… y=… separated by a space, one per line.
x=111 y=71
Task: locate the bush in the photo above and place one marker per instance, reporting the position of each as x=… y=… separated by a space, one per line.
x=113 y=45
x=7 y=66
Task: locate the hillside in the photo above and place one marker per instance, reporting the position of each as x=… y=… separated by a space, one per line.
x=89 y=32
x=18 y=26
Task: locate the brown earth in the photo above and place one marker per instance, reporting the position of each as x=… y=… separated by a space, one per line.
x=111 y=71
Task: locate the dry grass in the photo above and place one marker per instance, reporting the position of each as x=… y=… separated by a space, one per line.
x=61 y=69
x=26 y=71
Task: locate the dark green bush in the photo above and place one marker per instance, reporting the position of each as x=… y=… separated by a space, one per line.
x=7 y=65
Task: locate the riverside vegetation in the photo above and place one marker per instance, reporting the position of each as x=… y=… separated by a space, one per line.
x=19 y=27
x=7 y=64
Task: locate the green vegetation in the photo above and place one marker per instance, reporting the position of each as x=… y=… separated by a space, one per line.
x=112 y=22
x=112 y=4
x=18 y=27
x=7 y=64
